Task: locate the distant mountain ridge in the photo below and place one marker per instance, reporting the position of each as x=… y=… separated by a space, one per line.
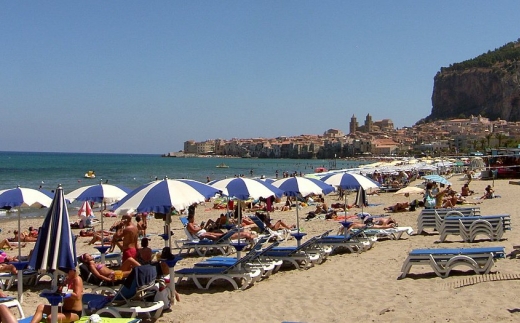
x=487 y=85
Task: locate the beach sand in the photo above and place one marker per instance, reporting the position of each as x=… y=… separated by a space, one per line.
x=346 y=287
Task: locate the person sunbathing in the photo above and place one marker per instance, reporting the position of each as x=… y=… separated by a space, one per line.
x=5 y=267
x=398 y=207
x=273 y=226
x=201 y=233
x=6 y=244
x=104 y=273
x=371 y=223
x=25 y=237
x=217 y=225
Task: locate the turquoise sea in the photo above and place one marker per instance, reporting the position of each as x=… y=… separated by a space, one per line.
x=32 y=169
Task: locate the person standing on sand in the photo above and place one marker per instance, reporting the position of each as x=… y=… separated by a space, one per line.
x=129 y=234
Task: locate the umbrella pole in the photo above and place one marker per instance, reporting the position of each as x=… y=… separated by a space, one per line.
x=346 y=208
x=54 y=308
x=239 y=224
x=298 y=241
x=20 y=271
x=102 y=235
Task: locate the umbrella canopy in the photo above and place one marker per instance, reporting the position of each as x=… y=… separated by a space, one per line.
x=294 y=186
x=410 y=190
x=17 y=198
x=245 y=188
x=437 y=178
x=349 y=181
x=24 y=197
x=55 y=248
x=160 y=196
x=85 y=209
x=99 y=193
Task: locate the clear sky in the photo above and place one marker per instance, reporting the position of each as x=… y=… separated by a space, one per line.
x=145 y=76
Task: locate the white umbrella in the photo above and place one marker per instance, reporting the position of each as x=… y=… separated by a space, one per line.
x=410 y=190
x=17 y=198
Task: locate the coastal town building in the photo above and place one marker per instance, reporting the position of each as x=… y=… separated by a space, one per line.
x=380 y=138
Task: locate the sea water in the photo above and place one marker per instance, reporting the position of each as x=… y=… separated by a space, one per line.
x=48 y=170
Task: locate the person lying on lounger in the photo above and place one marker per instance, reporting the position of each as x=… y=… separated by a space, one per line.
x=102 y=272
x=6 y=244
x=371 y=223
x=24 y=237
x=201 y=233
x=273 y=226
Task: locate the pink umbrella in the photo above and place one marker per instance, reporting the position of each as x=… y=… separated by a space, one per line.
x=85 y=209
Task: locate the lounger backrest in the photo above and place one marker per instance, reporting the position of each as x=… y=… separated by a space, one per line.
x=225 y=237
x=259 y=223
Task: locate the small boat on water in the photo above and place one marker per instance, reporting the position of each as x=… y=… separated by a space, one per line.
x=222 y=165
x=90 y=174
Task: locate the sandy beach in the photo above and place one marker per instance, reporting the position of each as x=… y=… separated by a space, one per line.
x=346 y=287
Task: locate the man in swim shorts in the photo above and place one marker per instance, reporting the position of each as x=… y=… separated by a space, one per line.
x=129 y=236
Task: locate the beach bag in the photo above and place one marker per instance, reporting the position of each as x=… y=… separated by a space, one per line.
x=429 y=202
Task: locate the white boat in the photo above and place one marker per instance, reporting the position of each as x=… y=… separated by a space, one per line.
x=222 y=165
x=90 y=174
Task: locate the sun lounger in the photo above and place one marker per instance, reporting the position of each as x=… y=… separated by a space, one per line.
x=301 y=257
x=426 y=218
x=469 y=227
x=442 y=261
x=12 y=302
x=390 y=233
x=238 y=271
x=253 y=260
x=280 y=235
x=354 y=242
x=132 y=297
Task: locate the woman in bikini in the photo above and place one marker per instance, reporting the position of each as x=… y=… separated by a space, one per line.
x=72 y=305
x=102 y=272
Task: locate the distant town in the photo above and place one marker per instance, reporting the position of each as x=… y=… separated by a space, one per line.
x=378 y=138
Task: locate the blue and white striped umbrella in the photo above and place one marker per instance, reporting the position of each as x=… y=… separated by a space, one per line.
x=294 y=186
x=55 y=248
x=23 y=197
x=437 y=178
x=350 y=181
x=160 y=196
x=245 y=188
x=99 y=193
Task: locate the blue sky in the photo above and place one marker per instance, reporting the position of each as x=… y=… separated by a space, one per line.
x=145 y=76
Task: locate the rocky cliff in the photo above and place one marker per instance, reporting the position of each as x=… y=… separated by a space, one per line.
x=488 y=85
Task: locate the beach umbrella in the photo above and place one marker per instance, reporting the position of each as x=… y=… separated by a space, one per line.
x=85 y=209
x=100 y=193
x=350 y=181
x=295 y=186
x=17 y=198
x=55 y=248
x=410 y=190
x=437 y=178
x=162 y=195
x=243 y=189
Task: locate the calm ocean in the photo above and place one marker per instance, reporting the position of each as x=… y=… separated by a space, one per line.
x=29 y=169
